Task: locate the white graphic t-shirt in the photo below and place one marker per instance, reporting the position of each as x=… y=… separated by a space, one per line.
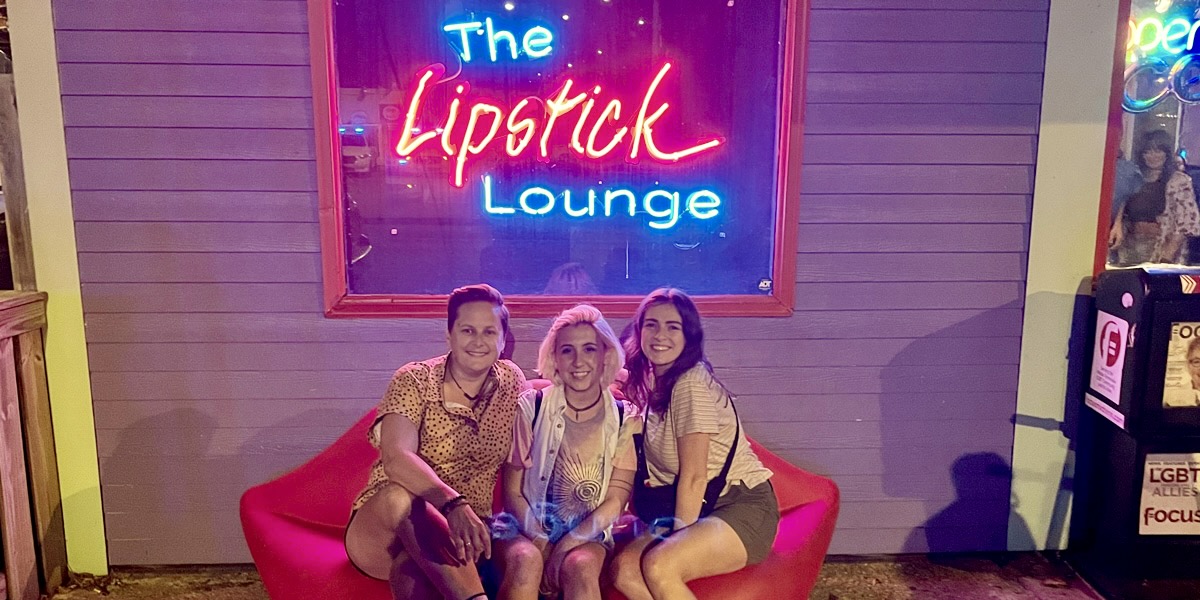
x=578 y=471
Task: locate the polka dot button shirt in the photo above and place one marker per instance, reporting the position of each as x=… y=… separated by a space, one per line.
x=463 y=445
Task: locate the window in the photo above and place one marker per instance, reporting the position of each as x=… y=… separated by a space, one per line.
x=1154 y=216
x=581 y=150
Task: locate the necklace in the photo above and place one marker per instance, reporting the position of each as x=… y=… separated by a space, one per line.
x=586 y=408
x=458 y=385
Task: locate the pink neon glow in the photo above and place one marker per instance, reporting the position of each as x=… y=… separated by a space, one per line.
x=472 y=147
x=450 y=120
x=653 y=150
x=525 y=125
x=558 y=106
x=611 y=112
x=520 y=131
x=644 y=127
x=576 y=143
x=407 y=145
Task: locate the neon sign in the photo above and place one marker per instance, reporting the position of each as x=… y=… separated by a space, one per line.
x=537 y=42
x=599 y=126
x=664 y=206
x=585 y=147
x=1149 y=76
x=521 y=132
x=1152 y=33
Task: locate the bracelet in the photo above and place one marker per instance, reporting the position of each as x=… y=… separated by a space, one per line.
x=451 y=504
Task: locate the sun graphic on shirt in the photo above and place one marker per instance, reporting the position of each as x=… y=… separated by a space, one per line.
x=576 y=489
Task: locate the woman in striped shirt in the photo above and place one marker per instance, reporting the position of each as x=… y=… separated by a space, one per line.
x=706 y=497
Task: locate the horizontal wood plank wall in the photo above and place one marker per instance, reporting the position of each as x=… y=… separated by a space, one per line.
x=920 y=141
x=214 y=370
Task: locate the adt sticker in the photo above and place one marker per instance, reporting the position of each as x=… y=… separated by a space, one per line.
x=1108 y=360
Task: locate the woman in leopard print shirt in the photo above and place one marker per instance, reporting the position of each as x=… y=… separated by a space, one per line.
x=442 y=430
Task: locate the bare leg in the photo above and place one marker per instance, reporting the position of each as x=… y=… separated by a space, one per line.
x=426 y=537
x=382 y=540
x=705 y=548
x=580 y=574
x=409 y=583
x=521 y=562
x=371 y=536
x=626 y=568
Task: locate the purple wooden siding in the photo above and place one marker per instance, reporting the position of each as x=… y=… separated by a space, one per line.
x=214 y=370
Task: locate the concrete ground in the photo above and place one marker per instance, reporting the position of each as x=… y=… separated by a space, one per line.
x=1002 y=577
x=1007 y=577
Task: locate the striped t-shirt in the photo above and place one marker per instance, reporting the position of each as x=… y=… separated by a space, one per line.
x=699 y=405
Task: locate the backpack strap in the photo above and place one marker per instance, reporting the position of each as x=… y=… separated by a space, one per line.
x=537 y=409
x=737 y=433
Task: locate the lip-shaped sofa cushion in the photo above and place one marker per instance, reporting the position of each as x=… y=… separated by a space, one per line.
x=295 y=527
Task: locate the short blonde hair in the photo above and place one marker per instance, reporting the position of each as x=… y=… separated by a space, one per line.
x=583 y=314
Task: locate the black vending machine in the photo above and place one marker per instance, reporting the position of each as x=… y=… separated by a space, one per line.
x=1136 y=513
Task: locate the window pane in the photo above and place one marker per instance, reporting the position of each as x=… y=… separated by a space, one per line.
x=588 y=147
x=1154 y=207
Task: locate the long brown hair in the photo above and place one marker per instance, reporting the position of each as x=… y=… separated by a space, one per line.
x=637 y=385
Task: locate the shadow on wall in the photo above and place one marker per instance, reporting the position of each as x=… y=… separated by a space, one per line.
x=973 y=420
x=172 y=483
x=978 y=519
x=947 y=406
x=157 y=482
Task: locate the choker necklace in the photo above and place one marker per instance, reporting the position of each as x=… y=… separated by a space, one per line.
x=470 y=398
x=586 y=408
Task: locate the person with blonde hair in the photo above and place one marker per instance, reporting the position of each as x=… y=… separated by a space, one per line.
x=568 y=477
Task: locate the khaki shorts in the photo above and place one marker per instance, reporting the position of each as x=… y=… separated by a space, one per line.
x=753 y=513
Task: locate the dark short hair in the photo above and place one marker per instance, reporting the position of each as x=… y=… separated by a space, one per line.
x=480 y=292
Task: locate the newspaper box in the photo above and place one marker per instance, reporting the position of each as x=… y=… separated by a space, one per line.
x=1137 y=477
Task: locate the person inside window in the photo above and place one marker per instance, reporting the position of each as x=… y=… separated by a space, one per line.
x=1127 y=180
x=442 y=429
x=572 y=464
x=705 y=496
x=1155 y=222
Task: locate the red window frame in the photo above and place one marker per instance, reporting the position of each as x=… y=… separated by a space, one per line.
x=1112 y=139
x=338 y=302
